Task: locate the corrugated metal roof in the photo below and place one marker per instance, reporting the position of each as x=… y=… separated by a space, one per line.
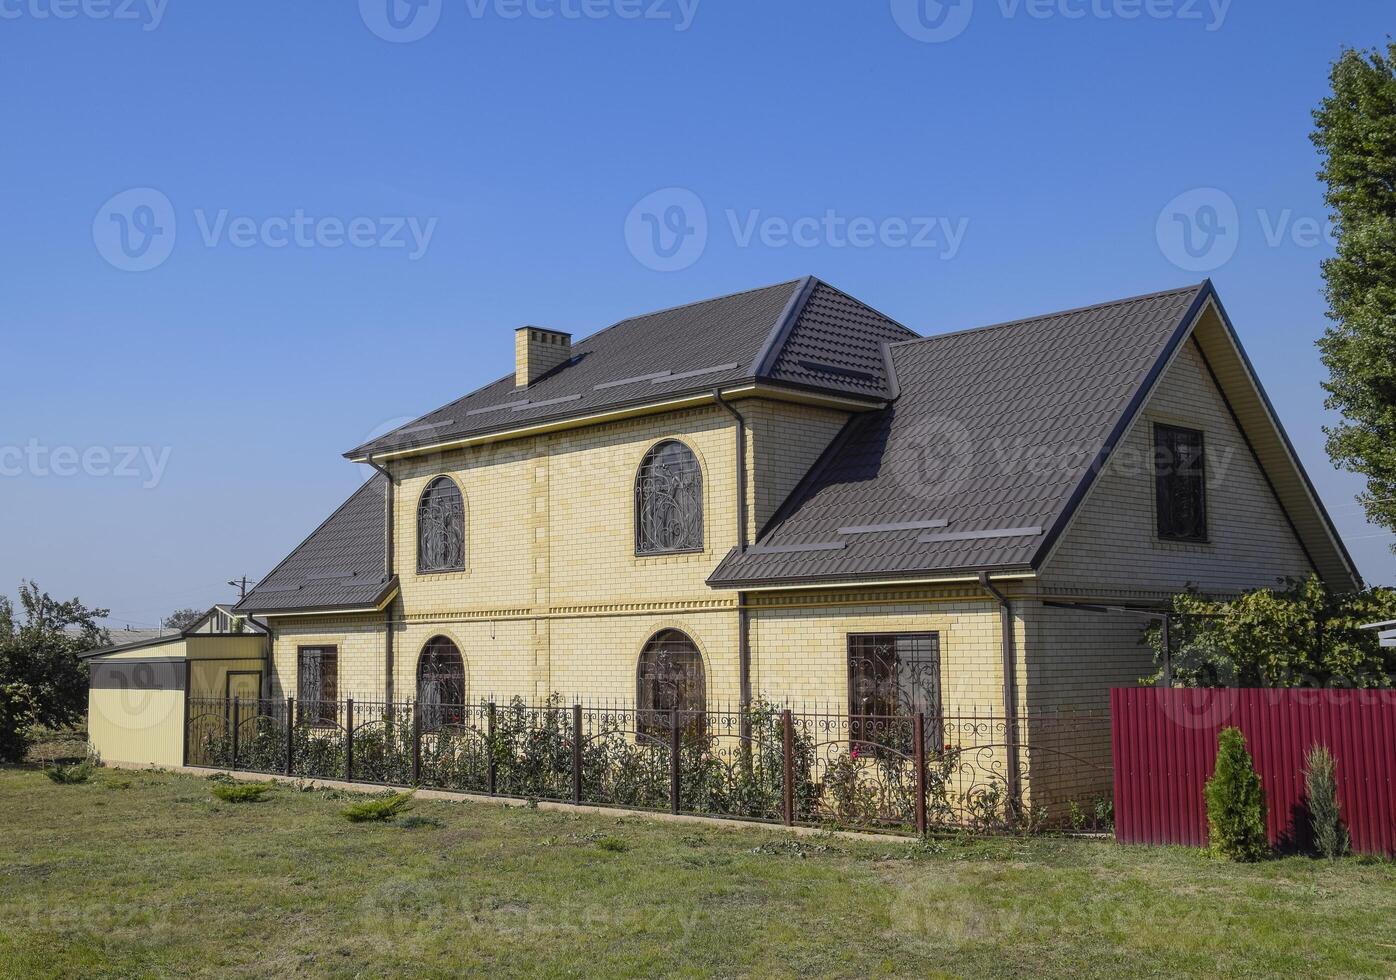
x=993 y=431
x=803 y=333
x=340 y=566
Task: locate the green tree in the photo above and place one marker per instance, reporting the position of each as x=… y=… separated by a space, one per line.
x=1299 y=635
x=42 y=681
x=1236 y=802
x=1356 y=137
x=184 y=618
x=1321 y=792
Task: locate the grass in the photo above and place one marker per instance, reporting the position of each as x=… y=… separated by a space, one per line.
x=147 y=874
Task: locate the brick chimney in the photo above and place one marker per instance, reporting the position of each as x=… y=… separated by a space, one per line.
x=538 y=351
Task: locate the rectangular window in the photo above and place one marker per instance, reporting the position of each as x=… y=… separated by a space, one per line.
x=1180 y=484
x=319 y=685
x=892 y=677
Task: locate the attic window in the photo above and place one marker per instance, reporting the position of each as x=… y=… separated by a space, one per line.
x=1180 y=484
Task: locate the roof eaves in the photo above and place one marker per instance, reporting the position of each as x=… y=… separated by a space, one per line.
x=386 y=595
x=156 y=641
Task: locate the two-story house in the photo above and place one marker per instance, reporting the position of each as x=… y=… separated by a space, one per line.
x=784 y=494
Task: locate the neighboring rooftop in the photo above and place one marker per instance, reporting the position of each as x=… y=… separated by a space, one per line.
x=803 y=335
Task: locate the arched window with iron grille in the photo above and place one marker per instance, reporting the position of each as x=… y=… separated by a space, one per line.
x=669 y=501
x=440 y=684
x=441 y=527
x=671 y=679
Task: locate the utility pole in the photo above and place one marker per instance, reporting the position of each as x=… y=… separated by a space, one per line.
x=241 y=585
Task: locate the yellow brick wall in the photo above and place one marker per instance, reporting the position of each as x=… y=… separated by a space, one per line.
x=1112 y=546
x=800 y=643
x=362 y=651
x=784 y=441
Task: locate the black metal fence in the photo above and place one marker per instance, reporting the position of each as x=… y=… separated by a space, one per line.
x=764 y=762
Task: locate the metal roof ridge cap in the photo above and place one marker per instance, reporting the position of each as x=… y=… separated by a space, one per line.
x=1054 y=313
x=784 y=324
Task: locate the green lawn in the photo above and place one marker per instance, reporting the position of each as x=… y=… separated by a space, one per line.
x=148 y=874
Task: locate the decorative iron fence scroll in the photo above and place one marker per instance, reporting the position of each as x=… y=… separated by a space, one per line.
x=765 y=762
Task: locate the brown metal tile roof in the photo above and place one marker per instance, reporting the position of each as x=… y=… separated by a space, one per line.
x=804 y=334
x=993 y=433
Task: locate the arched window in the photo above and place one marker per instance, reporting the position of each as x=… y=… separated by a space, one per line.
x=671 y=679
x=440 y=684
x=669 y=501
x=441 y=528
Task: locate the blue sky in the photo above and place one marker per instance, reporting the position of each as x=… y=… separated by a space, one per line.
x=495 y=161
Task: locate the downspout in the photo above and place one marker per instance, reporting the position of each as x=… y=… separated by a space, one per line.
x=743 y=622
x=388 y=659
x=1010 y=691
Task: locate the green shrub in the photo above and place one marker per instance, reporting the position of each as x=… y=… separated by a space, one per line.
x=1236 y=802
x=380 y=809
x=241 y=792
x=18 y=713
x=80 y=772
x=1325 y=816
x=615 y=845
x=416 y=822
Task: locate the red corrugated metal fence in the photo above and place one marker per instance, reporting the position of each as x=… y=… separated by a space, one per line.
x=1165 y=747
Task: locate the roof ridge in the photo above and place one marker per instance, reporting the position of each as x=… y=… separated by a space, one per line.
x=684 y=306
x=362 y=447
x=784 y=326
x=375 y=478
x=1194 y=288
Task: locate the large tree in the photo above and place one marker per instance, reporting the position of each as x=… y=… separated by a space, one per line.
x=184 y=618
x=42 y=681
x=1356 y=136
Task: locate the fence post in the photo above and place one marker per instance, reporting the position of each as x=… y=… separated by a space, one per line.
x=290 y=735
x=491 y=768
x=184 y=748
x=417 y=743
x=788 y=771
x=237 y=712
x=349 y=740
x=576 y=753
x=675 y=740
x=920 y=735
